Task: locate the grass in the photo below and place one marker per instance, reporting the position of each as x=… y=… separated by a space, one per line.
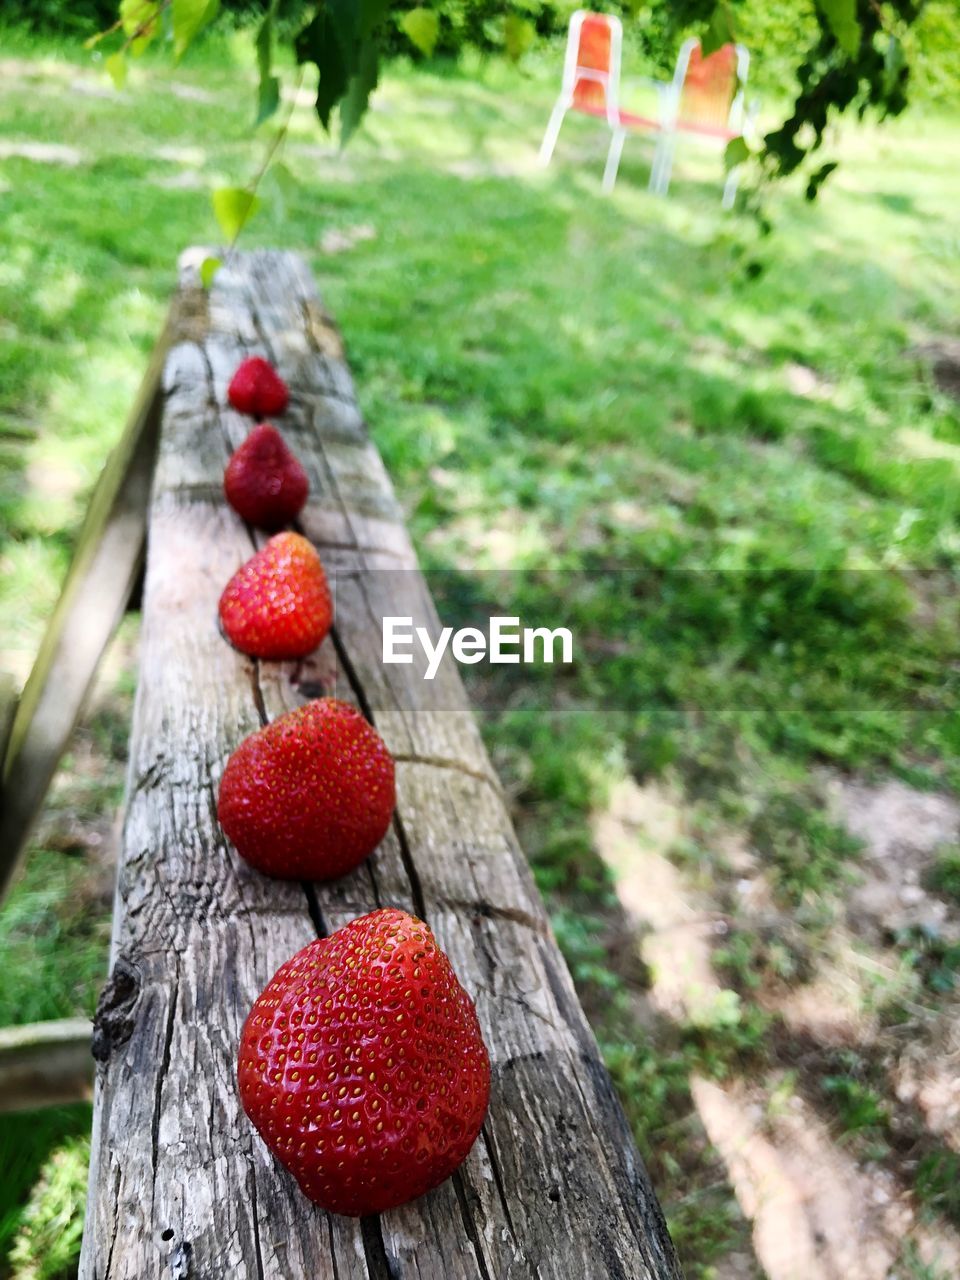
x=741 y=493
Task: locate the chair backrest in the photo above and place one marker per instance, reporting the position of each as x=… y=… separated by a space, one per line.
x=591 y=68
x=710 y=90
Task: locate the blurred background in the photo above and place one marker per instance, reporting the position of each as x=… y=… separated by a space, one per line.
x=727 y=455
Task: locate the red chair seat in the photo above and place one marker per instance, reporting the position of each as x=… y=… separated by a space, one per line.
x=626 y=118
x=708 y=130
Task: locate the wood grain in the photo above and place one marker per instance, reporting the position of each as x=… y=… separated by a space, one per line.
x=180 y=1184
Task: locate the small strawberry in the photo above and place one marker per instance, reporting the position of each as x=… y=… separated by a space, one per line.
x=256 y=388
x=309 y=796
x=363 y=1068
x=278 y=604
x=263 y=481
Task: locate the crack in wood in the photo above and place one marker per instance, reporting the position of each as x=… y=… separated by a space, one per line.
x=257 y=690
x=356 y=686
x=469 y=1223
x=375 y=1255
x=494 y=1159
x=406 y=855
x=315 y=910
x=116 y=1222
x=161 y=1076
x=490 y=911
x=333 y=1250
x=444 y=762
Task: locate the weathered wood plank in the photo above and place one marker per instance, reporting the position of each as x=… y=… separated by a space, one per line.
x=103 y=573
x=554 y=1187
x=44 y=1063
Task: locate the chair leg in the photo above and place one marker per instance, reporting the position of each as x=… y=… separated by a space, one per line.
x=654 y=183
x=666 y=164
x=617 y=138
x=553 y=132
x=730 y=188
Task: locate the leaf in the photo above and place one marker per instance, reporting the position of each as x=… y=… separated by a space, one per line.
x=720 y=30
x=268 y=99
x=894 y=62
x=817 y=179
x=281 y=187
x=841 y=15
x=318 y=43
x=233 y=207
x=268 y=87
x=735 y=152
x=518 y=36
x=421 y=27
x=189 y=17
x=116 y=68
x=140 y=22
x=361 y=85
x=371 y=13
x=208 y=269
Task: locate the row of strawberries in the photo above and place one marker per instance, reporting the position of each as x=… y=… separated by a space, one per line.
x=361 y=1064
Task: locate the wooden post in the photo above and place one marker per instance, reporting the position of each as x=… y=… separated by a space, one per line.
x=180 y=1184
x=105 y=566
x=45 y=1063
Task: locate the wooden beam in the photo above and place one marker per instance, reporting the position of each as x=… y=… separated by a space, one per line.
x=104 y=570
x=179 y=1181
x=45 y=1063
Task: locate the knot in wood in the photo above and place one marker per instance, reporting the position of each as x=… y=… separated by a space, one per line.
x=114 y=1020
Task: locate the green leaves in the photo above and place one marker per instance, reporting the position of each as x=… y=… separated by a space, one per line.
x=189 y=17
x=268 y=87
x=318 y=43
x=233 y=208
x=208 y=269
x=518 y=35
x=421 y=27
x=116 y=67
x=818 y=178
x=362 y=84
x=841 y=16
x=720 y=30
x=341 y=42
x=736 y=152
x=140 y=21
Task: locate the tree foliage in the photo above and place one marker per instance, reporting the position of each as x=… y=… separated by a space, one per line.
x=854 y=55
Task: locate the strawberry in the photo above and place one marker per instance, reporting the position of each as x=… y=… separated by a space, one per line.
x=256 y=388
x=362 y=1065
x=278 y=604
x=309 y=796
x=263 y=481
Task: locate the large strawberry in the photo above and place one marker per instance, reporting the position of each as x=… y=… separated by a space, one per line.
x=362 y=1065
x=263 y=481
x=278 y=604
x=311 y=795
x=256 y=388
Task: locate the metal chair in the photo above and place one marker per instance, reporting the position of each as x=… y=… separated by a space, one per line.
x=705 y=97
x=591 y=85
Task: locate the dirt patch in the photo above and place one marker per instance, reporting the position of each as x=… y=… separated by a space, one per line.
x=816 y=1213
x=676 y=933
x=340 y=240
x=943 y=357
x=901 y=829
x=42 y=153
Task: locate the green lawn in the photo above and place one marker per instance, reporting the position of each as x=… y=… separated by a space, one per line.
x=743 y=490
